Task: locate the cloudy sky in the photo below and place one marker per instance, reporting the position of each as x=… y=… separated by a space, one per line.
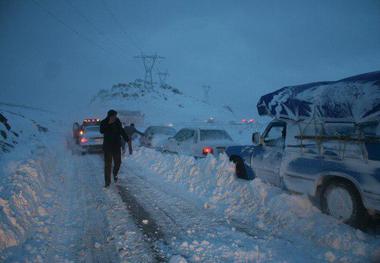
x=54 y=53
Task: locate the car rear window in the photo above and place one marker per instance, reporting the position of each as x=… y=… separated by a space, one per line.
x=213 y=135
x=92 y=128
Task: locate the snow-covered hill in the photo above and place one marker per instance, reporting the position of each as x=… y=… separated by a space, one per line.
x=21 y=124
x=164 y=104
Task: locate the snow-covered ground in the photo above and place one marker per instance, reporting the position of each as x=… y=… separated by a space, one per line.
x=53 y=207
x=242 y=221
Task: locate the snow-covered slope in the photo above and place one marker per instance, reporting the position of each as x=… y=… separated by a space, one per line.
x=164 y=104
x=21 y=124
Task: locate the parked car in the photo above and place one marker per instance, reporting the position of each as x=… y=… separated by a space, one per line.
x=155 y=135
x=198 y=142
x=324 y=141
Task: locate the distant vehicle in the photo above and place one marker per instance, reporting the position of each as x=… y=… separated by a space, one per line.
x=198 y=142
x=154 y=135
x=78 y=129
x=87 y=135
x=248 y=121
x=127 y=117
x=90 y=139
x=323 y=143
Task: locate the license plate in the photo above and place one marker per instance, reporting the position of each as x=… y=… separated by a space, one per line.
x=99 y=141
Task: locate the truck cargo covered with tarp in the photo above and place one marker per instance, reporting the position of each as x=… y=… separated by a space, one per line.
x=354 y=99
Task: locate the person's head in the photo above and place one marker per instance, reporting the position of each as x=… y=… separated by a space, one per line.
x=112 y=114
x=132 y=125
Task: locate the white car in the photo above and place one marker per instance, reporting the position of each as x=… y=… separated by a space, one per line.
x=155 y=135
x=90 y=139
x=198 y=142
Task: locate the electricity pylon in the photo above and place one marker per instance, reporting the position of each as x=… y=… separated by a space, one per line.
x=149 y=61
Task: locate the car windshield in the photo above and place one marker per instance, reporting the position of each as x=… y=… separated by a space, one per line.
x=212 y=135
x=163 y=130
x=92 y=129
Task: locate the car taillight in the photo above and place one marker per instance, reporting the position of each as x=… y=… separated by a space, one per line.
x=81 y=132
x=83 y=140
x=207 y=150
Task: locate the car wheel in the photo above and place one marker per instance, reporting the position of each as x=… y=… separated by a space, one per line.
x=342 y=200
x=239 y=167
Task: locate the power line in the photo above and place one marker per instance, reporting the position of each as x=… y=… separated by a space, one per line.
x=59 y=20
x=94 y=27
x=117 y=22
x=79 y=13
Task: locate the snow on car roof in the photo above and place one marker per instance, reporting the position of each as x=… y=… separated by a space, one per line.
x=355 y=99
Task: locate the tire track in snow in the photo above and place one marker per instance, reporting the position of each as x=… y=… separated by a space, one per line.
x=152 y=232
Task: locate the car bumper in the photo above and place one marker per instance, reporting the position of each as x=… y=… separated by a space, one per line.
x=92 y=147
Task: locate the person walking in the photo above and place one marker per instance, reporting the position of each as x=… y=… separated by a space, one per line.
x=112 y=130
x=130 y=131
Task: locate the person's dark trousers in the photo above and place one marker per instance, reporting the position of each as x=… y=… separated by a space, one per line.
x=130 y=146
x=114 y=155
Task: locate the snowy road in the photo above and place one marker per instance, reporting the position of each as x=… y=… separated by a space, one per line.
x=166 y=207
x=197 y=233
x=75 y=228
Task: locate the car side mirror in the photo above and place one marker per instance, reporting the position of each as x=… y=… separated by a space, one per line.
x=256 y=138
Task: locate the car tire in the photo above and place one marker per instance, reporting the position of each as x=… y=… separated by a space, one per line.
x=352 y=211
x=240 y=170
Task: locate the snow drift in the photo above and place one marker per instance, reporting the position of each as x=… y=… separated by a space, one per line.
x=354 y=99
x=23 y=174
x=260 y=206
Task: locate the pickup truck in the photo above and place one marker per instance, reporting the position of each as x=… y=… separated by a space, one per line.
x=337 y=164
x=324 y=142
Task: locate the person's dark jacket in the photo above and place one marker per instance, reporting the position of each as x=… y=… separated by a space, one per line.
x=112 y=134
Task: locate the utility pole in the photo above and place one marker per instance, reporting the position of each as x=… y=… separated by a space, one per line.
x=163 y=76
x=206 y=93
x=149 y=61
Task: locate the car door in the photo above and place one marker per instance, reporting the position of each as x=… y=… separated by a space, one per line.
x=173 y=143
x=267 y=157
x=186 y=142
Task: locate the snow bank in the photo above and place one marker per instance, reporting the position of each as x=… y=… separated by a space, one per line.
x=255 y=204
x=24 y=170
x=22 y=179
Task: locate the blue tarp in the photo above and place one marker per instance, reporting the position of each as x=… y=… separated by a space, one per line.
x=355 y=99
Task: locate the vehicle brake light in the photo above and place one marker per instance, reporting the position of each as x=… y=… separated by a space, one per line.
x=244 y=120
x=81 y=132
x=83 y=140
x=208 y=150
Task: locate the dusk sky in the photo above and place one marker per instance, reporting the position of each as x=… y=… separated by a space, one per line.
x=58 y=53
